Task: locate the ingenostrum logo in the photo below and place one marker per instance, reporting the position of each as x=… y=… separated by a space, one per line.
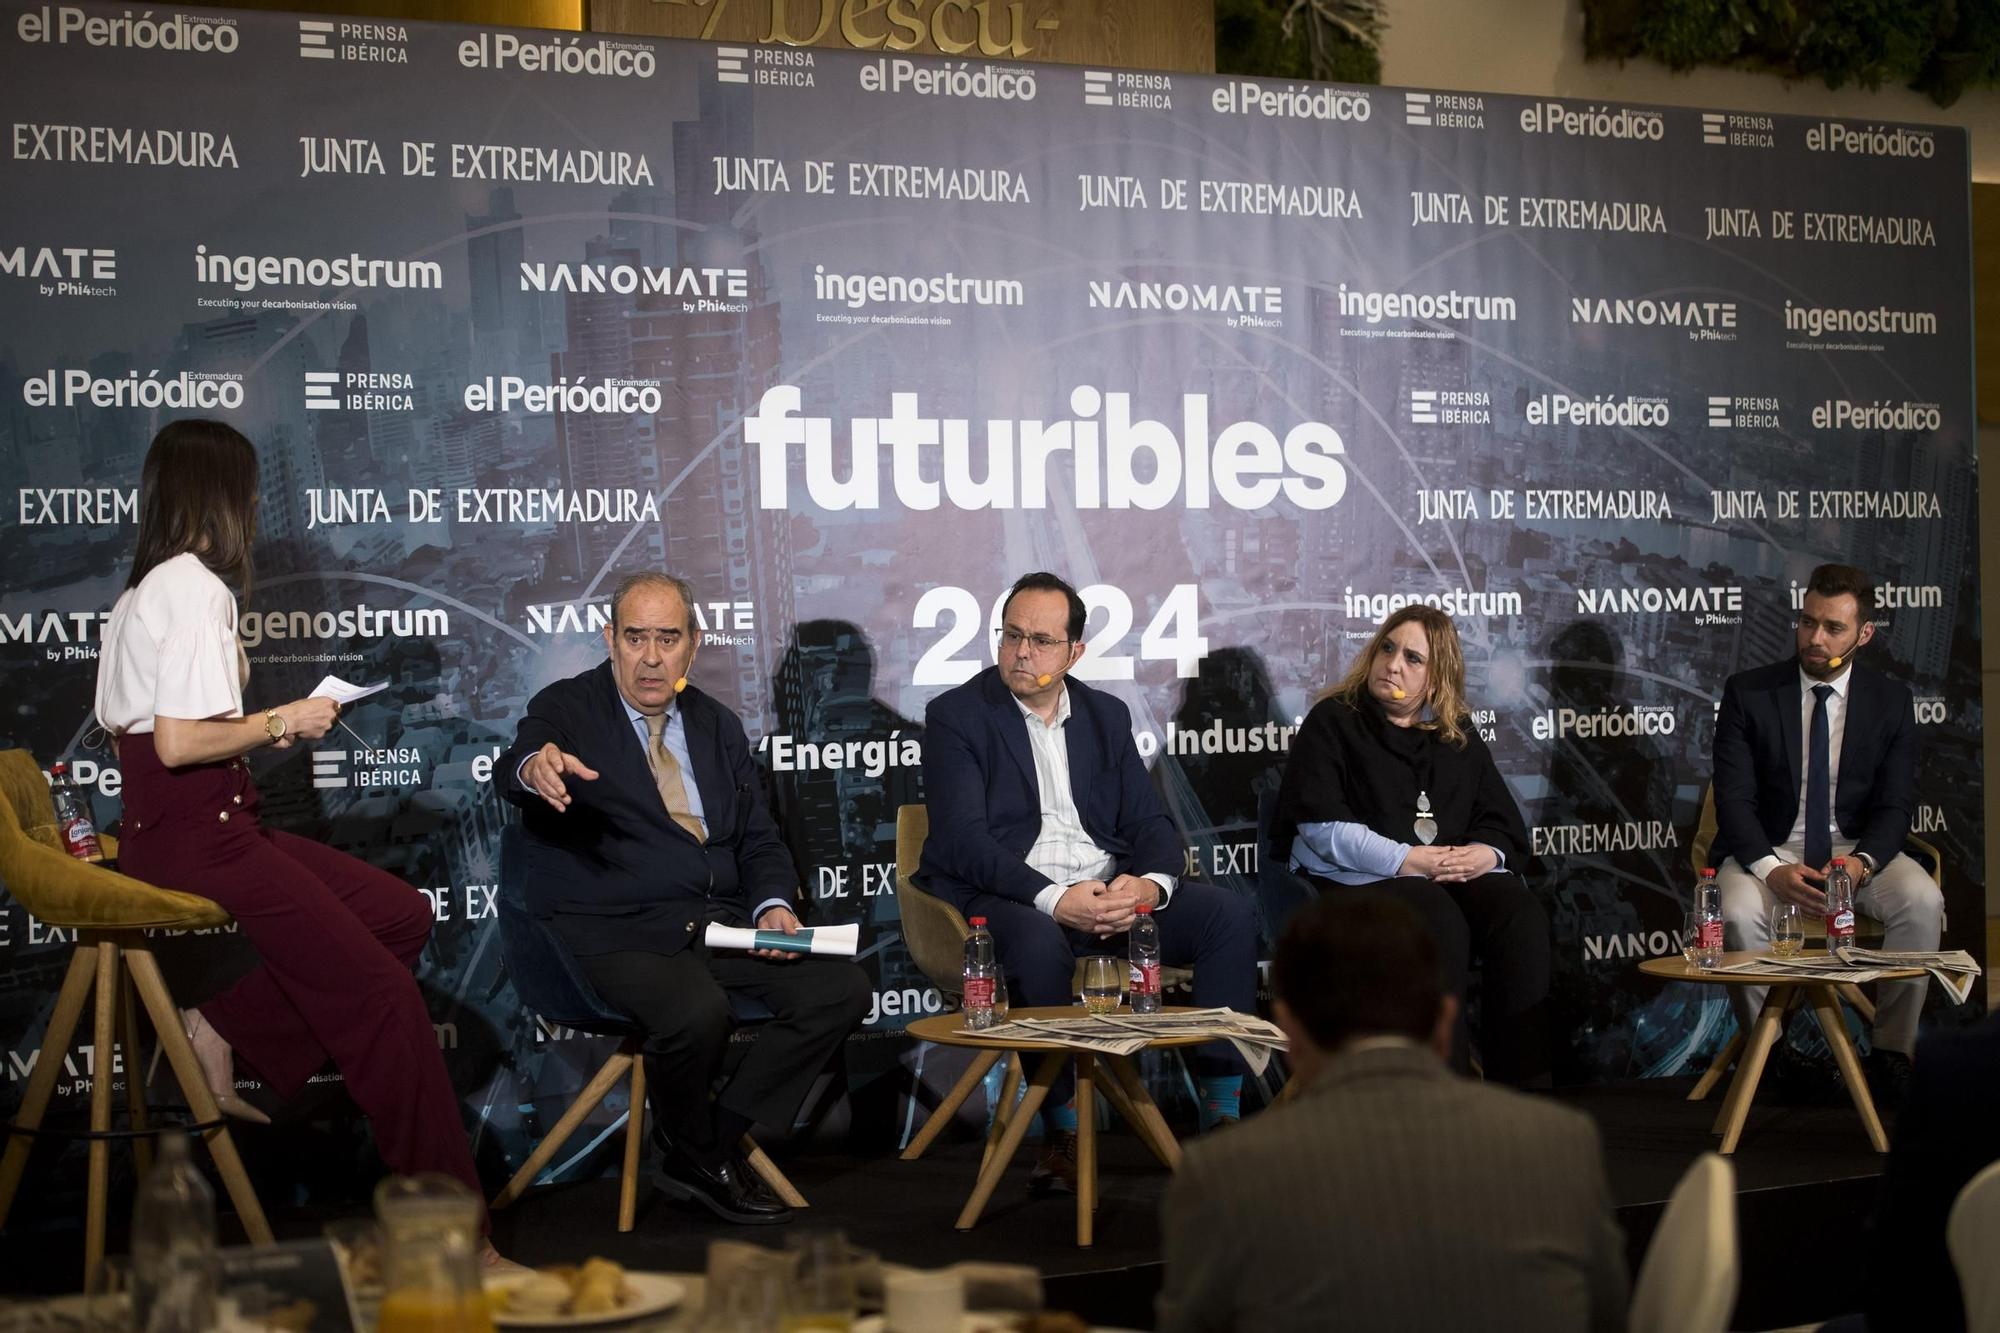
x=246 y=273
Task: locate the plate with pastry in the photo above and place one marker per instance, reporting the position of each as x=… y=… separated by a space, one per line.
x=596 y=1291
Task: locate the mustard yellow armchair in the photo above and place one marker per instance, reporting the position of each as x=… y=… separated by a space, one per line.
x=114 y=957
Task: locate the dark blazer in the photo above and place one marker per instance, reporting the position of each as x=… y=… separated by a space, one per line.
x=985 y=806
x=1391 y=1195
x=1947 y=1132
x=613 y=872
x=1759 y=741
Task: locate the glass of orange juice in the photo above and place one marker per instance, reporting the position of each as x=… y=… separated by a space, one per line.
x=430 y=1277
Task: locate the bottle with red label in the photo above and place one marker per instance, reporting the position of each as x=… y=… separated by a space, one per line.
x=79 y=835
x=1144 y=946
x=1708 y=914
x=981 y=972
x=1839 y=906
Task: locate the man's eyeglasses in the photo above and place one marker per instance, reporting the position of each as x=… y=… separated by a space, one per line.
x=1011 y=639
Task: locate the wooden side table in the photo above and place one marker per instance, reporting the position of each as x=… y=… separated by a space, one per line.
x=1788 y=991
x=1113 y=1076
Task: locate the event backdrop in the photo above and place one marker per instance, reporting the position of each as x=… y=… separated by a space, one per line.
x=850 y=340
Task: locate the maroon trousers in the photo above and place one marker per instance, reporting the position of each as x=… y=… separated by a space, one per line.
x=337 y=939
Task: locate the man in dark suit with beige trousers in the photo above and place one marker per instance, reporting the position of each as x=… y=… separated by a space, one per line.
x=1389 y=1193
x=1816 y=758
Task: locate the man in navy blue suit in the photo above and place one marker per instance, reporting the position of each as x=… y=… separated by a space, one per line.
x=1044 y=822
x=645 y=821
x=1815 y=758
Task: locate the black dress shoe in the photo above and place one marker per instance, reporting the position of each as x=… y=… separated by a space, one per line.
x=728 y=1188
x=1797 y=1080
x=1888 y=1078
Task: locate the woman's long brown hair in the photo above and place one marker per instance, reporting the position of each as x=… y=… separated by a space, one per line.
x=198 y=493
x=1444 y=697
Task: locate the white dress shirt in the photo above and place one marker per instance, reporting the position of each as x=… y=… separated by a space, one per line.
x=1063 y=850
x=1794 y=849
x=170 y=650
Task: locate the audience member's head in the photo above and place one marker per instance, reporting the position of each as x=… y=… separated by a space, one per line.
x=1354 y=964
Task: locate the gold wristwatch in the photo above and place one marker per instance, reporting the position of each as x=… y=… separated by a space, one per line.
x=274 y=726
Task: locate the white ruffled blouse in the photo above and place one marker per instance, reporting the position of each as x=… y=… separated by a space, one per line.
x=171 y=650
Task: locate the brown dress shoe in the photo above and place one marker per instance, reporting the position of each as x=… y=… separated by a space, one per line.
x=1056 y=1172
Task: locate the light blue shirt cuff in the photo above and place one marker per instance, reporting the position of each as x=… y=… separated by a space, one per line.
x=1166 y=883
x=1046 y=900
x=1348 y=846
x=1499 y=857
x=767 y=905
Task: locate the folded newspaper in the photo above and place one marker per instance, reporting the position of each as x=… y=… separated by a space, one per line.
x=1126 y=1033
x=839 y=941
x=1954 y=969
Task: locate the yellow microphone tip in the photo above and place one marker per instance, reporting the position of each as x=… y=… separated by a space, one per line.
x=1834 y=661
x=1044 y=678
x=680 y=684
x=1395 y=693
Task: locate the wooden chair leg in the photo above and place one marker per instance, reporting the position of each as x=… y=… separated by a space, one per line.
x=635 y=1135
x=42 y=1078
x=104 y=1039
x=135 y=1075
x=586 y=1101
x=781 y=1185
x=166 y=1018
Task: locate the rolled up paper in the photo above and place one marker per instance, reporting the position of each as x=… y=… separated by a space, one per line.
x=835 y=941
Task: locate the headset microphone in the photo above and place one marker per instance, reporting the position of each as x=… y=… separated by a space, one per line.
x=680 y=684
x=1044 y=678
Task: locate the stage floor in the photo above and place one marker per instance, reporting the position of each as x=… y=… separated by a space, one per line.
x=1802 y=1174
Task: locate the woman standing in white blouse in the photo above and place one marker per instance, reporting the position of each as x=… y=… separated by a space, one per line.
x=336 y=937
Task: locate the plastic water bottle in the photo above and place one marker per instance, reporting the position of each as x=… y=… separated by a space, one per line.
x=79 y=835
x=173 y=1245
x=1839 y=906
x=1144 y=949
x=1708 y=911
x=981 y=976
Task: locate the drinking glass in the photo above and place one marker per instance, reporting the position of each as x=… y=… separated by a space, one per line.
x=1102 y=983
x=1788 y=930
x=1691 y=938
x=823 y=1297
x=430 y=1239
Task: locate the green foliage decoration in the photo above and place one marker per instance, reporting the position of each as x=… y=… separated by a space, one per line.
x=1939 y=47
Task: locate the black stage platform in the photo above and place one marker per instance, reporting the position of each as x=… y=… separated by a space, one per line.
x=1802 y=1175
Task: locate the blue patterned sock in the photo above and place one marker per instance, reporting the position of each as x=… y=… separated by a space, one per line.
x=1062 y=1119
x=1221 y=1099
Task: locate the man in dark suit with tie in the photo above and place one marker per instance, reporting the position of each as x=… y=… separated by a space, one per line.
x=1044 y=822
x=645 y=821
x=1815 y=758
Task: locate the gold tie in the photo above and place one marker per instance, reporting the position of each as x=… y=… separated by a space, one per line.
x=667 y=776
